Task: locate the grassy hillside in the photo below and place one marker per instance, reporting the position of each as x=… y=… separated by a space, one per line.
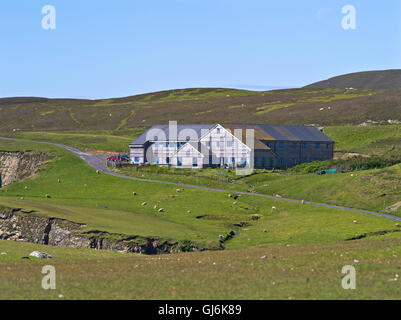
x=370 y=140
x=104 y=141
x=294 y=106
x=373 y=190
x=282 y=250
x=311 y=271
x=292 y=252
x=107 y=203
x=381 y=79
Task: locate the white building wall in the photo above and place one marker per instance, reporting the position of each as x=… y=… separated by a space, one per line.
x=137 y=155
x=185 y=157
x=226 y=146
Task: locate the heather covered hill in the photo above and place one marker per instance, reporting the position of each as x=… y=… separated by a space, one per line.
x=292 y=106
x=381 y=79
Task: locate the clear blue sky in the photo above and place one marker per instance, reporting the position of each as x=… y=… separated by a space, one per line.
x=123 y=47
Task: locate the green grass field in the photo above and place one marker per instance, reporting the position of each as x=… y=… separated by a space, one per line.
x=303 y=247
x=107 y=203
x=105 y=140
x=374 y=190
x=301 y=271
x=370 y=140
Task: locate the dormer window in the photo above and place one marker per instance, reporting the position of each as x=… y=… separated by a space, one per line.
x=218 y=130
x=188 y=138
x=156 y=138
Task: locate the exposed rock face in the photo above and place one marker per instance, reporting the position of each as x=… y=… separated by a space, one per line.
x=19 y=225
x=17 y=165
x=395 y=206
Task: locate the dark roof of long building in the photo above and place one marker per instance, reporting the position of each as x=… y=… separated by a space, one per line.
x=263 y=132
x=285 y=133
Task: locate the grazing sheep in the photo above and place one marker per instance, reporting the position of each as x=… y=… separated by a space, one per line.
x=144 y=203
x=58 y=180
x=221 y=236
x=22 y=198
x=178 y=190
x=161 y=210
x=264 y=230
x=397 y=225
x=235 y=202
x=26 y=188
x=155 y=207
x=355 y=221
x=229 y=195
x=303 y=201
x=274 y=208
x=189 y=211
x=47 y=196
x=134 y=193
x=97 y=171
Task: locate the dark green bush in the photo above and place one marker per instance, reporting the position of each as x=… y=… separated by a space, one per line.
x=186 y=246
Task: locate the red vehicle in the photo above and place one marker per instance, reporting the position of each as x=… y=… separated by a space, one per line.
x=113 y=158
x=120 y=157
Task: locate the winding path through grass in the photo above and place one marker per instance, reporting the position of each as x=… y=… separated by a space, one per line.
x=98 y=162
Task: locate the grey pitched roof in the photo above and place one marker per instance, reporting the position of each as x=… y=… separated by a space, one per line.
x=263 y=132
x=193 y=131
x=295 y=133
x=266 y=132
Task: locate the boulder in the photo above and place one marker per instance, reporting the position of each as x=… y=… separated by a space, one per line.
x=41 y=255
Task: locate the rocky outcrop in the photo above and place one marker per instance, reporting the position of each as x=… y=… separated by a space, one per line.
x=395 y=206
x=18 y=165
x=19 y=225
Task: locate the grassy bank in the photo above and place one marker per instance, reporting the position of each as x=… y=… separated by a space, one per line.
x=107 y=203
x=311 y=271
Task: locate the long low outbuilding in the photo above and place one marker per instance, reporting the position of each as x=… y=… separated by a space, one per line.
x=230 y=145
